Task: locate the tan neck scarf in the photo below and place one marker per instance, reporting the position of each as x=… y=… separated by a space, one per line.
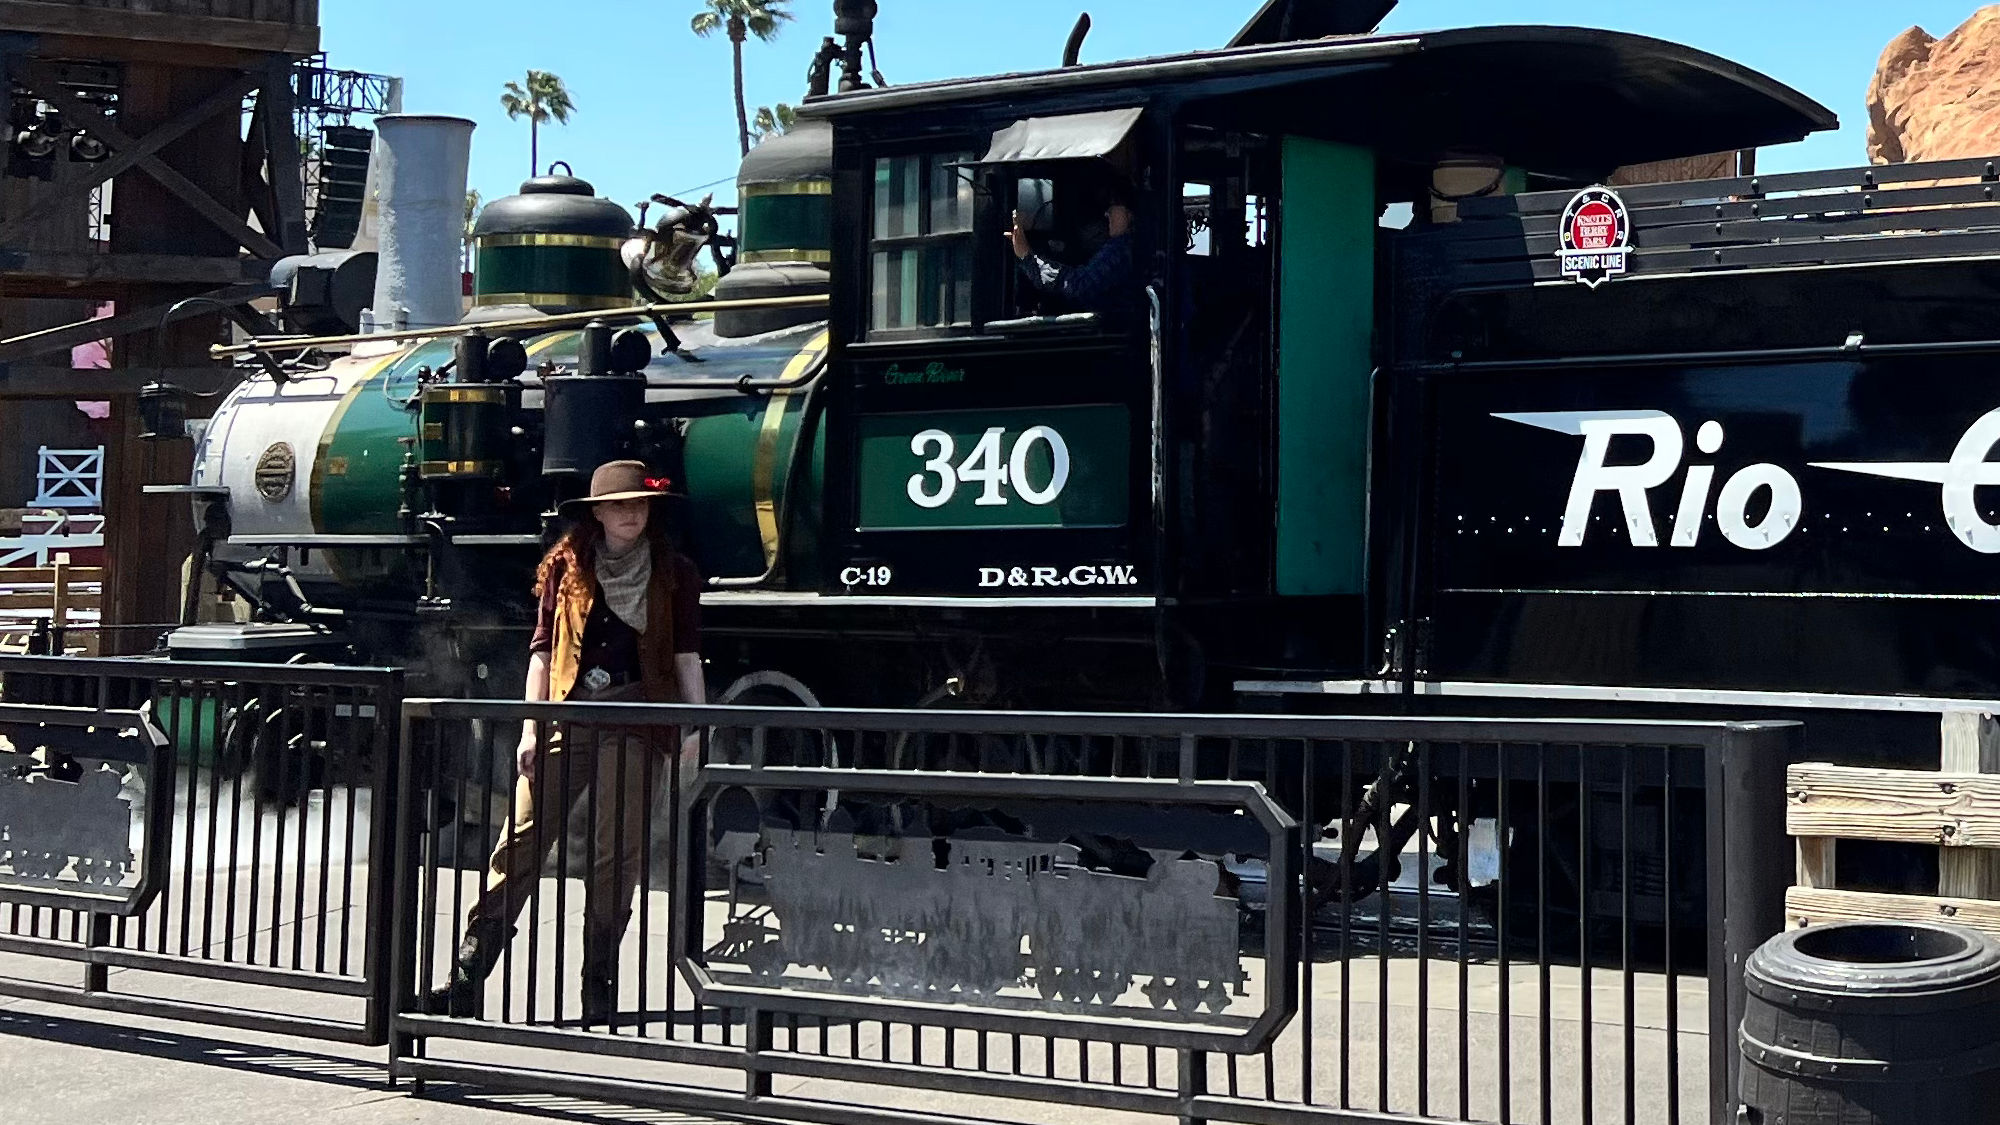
x=624 y=578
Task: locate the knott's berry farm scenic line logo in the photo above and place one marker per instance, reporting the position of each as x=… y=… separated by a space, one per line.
x=1596 y=236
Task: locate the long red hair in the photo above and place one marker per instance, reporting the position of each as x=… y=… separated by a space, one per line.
x=574 y=557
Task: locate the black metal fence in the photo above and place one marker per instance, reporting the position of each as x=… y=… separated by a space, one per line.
x=872 y=915
x=272 y=875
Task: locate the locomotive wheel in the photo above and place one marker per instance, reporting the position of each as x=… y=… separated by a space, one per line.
x=239 y=724
x=771 y=748
x=797 y=748
x=276 y=754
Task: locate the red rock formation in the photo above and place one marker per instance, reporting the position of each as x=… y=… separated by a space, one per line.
x=1938 y=99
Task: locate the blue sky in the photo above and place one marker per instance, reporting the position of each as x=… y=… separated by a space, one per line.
x=654 y=109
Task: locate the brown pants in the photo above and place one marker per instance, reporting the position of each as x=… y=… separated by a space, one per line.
x=620 y=769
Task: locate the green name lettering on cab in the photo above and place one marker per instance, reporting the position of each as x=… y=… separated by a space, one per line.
x=933 y=372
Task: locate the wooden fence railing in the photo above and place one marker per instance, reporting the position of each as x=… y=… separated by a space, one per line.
x=1956 y=809
x=70 y=599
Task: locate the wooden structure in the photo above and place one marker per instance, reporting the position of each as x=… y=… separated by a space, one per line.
x=186 y=197
x=1956 y=808
x=69 y=478
x=62 y=598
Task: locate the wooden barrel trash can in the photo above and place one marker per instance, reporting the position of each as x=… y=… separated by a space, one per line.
x=1872 y=1023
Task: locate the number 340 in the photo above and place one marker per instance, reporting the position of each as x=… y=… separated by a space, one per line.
x=984 y=466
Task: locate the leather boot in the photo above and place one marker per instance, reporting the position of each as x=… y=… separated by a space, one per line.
x=464 y=995
x=600 y=974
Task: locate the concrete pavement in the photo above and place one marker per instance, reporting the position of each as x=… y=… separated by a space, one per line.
x=64 y=1066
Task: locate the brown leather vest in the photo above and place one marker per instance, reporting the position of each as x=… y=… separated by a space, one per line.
x=656 y=644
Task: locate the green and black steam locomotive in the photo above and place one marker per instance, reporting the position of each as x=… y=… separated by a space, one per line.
x=1347 y=424
x=1348 y=416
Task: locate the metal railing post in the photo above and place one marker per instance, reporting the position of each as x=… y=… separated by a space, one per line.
x=1749 y=867
x=1191 y=1084
x=757 y=1040
x=384 y=832
x=392 y=832
x=96 y=974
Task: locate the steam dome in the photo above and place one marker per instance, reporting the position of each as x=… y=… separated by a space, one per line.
x=553 y=247
x=784 y=192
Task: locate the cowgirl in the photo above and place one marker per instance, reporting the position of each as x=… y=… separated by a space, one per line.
x=619 y=620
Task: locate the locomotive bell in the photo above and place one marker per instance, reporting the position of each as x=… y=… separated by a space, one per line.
x=553 y=247
x=661 y=260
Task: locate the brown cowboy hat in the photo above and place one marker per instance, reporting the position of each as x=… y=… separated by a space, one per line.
x=620 y=480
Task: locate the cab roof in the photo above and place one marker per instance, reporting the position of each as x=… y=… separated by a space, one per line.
x=1547 y=98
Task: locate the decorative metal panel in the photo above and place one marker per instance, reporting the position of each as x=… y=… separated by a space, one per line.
x=83 y=809
x=1037 y=905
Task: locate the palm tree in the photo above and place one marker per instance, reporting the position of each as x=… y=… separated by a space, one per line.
x=544 y=98
x=771 y=121
x=741 y=19
x=473 y=202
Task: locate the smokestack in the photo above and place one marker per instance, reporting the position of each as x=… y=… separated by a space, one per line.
x=420 y=164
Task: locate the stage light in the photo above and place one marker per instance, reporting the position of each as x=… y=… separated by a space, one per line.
x=35 y=143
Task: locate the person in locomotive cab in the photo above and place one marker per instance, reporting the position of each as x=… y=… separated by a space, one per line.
x=1102 y=283
x=619 y=620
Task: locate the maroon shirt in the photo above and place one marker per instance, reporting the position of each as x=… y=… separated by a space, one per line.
x=601 y=626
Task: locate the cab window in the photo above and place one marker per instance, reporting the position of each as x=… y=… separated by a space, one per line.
x=920 y=242
x=1064 y=214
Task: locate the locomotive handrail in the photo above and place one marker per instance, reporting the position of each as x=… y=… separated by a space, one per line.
x=1855 y=346
x=744 y=383
x=270 y=344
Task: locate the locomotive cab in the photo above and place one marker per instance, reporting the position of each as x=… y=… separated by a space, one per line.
x=1194 y=446
x=995 y=429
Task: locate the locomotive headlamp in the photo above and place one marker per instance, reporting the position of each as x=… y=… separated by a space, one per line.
x=854 y=17
x=854 y=22
x=162 y=411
